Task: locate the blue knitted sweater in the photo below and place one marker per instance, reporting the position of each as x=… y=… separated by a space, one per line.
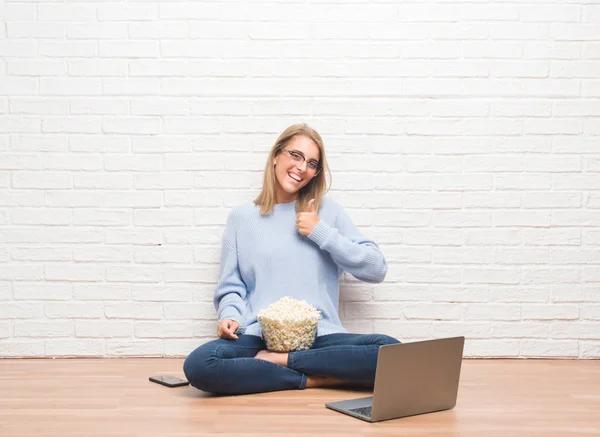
x=264 y=258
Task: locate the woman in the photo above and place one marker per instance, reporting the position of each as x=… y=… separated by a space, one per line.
x=291 y=241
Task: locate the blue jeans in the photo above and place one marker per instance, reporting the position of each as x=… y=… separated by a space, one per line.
x=229 y=367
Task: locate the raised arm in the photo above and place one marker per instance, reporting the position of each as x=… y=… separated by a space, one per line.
x=350 y=250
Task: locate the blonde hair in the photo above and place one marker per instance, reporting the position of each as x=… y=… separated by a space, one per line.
x=315 y=189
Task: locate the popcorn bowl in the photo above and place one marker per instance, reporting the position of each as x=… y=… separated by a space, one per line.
x=289 y=325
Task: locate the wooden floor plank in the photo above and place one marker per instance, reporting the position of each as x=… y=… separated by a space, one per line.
x=113 y=398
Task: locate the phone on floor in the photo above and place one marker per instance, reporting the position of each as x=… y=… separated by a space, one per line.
x=168 y=380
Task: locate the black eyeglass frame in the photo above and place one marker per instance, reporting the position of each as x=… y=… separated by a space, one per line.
x=297 y=152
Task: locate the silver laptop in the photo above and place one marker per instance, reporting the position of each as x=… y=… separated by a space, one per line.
x=411 y=378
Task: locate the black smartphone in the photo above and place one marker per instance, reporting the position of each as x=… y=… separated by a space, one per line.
x=169 y=381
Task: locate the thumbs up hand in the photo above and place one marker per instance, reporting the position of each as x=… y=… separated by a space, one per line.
x=306 y=221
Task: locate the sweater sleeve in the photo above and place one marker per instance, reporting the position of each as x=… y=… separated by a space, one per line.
x=350 y=250
x=230 y=294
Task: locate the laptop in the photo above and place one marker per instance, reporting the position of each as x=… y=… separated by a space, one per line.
x=411 y=378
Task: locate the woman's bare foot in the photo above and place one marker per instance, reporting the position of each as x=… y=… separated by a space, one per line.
x=323 y=381
x=280 y=358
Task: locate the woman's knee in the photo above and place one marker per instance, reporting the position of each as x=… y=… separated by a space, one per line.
x=382 y=340
x=200 y=367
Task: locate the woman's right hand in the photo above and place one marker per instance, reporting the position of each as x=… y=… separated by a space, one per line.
x=226 y=329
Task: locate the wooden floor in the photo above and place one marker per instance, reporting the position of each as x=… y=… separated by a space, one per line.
x=113 y=397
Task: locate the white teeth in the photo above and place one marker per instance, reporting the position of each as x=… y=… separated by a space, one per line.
x=294 y=177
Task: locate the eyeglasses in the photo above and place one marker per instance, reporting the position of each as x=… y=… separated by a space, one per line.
x=299 y=158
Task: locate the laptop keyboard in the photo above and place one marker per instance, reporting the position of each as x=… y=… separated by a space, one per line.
x=363 y=411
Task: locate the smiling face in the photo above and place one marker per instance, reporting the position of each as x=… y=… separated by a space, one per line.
x=293 y=174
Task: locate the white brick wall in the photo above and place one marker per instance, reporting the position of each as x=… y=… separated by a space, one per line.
x=463 y=137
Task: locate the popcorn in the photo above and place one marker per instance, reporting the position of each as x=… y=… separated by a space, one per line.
x=289 y=324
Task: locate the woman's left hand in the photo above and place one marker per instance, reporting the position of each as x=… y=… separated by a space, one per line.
x=306 y=221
